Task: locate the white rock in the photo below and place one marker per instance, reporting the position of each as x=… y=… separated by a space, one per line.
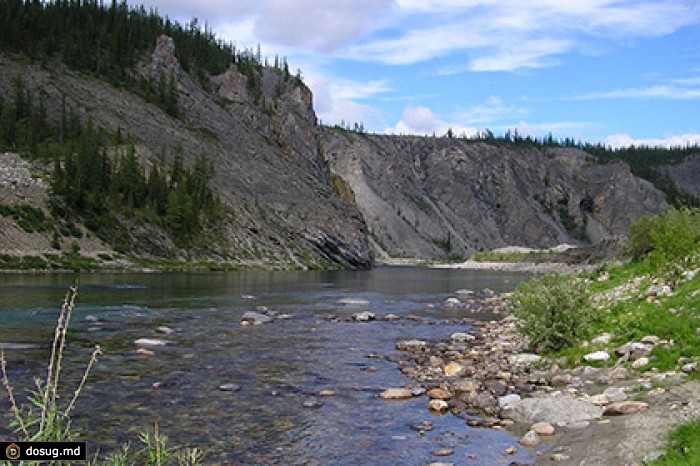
x=453 y=368
x=690 y=367
x=150 y=342
x=525 y=358
x=603 y=339
x=396 y=394
x=531 y=439
x=639 y=363
x=651 y=339
x=508 y=400
x=452 y=302
x=459 y=336
x=543 y=429
x=601 y=399
x=411 y=345
x=597 y=356
x=564 y=409
x=439 y=406
x=365 y=316
x=615 y=394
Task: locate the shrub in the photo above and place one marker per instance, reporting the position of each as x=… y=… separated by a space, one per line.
x=553 y=311
x=667 y=237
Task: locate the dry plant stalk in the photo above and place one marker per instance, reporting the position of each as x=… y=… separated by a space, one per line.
x=56 y=354
x=49 y=391
x=8 y=387
x=93 y=358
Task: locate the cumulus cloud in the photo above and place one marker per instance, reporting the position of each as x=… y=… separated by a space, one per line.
x=318 y=25
x=625 y=140
x=422 y=120
x=335 y=100
x=324 y=26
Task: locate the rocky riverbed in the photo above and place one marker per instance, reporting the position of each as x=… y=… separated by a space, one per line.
x=609 y=414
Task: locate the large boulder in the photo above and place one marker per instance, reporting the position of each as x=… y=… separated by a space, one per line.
x=560 y=410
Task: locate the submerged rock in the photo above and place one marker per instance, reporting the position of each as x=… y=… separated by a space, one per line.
x=313 y=403
x=438 y=406
x=396 y=394
x=365 y=316
x=229 y=387
x=530 y=439
x=151 y=342
x=543 y=429
x=411 y=345
x=255 y=318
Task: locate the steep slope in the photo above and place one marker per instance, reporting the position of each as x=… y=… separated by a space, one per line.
x=267 y=168
x=432 y=197
x=686 y=175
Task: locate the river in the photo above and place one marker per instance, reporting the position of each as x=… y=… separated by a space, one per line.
x=279 y=367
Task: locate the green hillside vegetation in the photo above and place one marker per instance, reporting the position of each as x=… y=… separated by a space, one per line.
x=656 y=293
x=98 y=177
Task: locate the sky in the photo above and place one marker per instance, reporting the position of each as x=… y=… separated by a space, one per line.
x=613 y=71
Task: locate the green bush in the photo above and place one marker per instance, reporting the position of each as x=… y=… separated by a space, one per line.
x=667 y=237
x=553 y=311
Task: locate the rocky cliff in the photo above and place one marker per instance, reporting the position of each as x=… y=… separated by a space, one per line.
x=282 y=209
x=432 y=197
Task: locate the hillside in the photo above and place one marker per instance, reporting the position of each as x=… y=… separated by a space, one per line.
x=432 y=197
x=206 y=153
x=281 y=208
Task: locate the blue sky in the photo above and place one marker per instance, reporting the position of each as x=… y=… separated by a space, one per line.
x=616 y=71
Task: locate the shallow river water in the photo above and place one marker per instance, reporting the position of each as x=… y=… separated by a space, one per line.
x=278 y=366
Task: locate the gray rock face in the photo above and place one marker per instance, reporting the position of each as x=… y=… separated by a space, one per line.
x=685 y=175
x=283 y=209
x=425 y=197
x=557 y=410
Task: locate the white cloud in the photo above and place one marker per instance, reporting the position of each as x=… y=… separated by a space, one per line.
x=335 y=100
x=319 y=25
x=491 y=35
x=322 y=25
x=531 y=54
x=422 y=120
x=492 y=110
x=509 y=35
x=663 y=91
x=559 y=129
x=625 y=140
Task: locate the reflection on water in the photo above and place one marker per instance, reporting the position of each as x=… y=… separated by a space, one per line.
x=276 y=417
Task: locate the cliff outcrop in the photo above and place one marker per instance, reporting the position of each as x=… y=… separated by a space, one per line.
x=281 y=208
x=432 y=197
